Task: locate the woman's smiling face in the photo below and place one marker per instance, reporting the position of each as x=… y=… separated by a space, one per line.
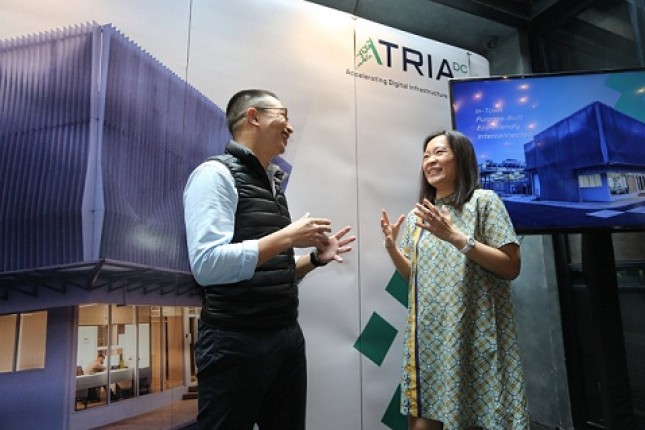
x=440 y=166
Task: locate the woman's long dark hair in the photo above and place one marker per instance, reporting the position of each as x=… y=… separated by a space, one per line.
x=467 y=171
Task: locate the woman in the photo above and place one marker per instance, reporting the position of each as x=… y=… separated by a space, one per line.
x=459 y=252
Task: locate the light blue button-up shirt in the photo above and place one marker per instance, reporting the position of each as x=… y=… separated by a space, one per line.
x=210 y=202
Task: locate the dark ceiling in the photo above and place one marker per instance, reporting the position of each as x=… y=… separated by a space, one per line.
x=473 y=25
x=468 y=24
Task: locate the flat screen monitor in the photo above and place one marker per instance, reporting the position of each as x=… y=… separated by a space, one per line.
x=565 y=152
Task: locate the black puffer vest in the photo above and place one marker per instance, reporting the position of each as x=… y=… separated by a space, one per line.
x=270 y=298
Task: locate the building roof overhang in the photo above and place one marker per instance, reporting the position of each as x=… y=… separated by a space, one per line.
x=100 y=281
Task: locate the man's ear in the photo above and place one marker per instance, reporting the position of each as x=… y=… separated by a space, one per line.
x=252 y=115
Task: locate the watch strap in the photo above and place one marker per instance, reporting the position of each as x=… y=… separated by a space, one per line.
x=313 y=255
x=470 y=243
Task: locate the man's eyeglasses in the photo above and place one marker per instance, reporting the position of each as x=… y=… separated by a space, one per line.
x=283 y=111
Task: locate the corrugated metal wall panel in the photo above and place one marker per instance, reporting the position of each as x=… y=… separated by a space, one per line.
x=44 y=122
x=154 y=130
x=624 y=138
x=150 y=146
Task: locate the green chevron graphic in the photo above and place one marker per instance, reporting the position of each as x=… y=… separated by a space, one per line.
x=375 y=342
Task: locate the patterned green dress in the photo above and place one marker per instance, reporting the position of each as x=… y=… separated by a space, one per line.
x=461 y=361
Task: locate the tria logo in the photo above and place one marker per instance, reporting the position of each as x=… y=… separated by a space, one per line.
x=410 y=59
x=367 y=52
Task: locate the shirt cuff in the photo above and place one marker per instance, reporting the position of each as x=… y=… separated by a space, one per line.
x=250 y=256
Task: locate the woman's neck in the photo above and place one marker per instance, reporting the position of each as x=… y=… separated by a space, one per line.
x=444 y=192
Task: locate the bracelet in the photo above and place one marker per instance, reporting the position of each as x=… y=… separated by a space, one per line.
x=313 y=255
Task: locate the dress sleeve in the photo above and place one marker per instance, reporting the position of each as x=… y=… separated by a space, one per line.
x=407 y=239
x=495 y=226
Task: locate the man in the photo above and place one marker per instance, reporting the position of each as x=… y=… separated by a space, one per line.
x=96 y=365
x=250 y=350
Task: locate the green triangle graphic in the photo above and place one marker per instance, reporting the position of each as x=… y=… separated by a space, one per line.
x=398 y=288
x=393 y=417
x=632 y=97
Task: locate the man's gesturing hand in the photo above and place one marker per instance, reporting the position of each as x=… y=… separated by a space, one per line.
x=308 y=231
x=336 y=245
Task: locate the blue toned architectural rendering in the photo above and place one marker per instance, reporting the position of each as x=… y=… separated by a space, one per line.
x=97 y=140
x=595 y=155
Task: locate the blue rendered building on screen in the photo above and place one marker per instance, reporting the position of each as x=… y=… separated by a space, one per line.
x=596 y=154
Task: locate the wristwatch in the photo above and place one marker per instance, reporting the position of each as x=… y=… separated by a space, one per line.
x=313 y=255
x=470 y=243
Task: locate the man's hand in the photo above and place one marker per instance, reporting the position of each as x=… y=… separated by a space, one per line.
x=307 y=231
x=335 y=245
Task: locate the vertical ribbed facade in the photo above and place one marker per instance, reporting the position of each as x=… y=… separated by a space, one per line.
x=156 y=130
x=596 y=139
x=97 y=139
x=44 y=129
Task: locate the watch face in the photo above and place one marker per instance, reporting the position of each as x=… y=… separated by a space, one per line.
x=470 y=242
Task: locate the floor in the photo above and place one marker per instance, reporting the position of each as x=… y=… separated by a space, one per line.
x=179 y=415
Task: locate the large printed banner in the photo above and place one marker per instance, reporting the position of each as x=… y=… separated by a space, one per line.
x=401 y=84
x=361 y=97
